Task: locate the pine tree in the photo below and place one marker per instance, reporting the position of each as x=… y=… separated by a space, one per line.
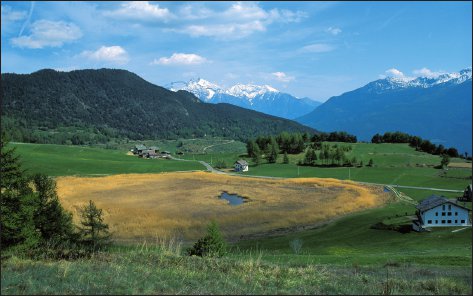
x=17 y=202
x=93 y=231
x=273 y=151
x=52 y=221
x=213 y=244
x=285 y=158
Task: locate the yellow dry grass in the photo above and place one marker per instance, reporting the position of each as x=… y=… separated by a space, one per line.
x=138 y=206
x=463 y=165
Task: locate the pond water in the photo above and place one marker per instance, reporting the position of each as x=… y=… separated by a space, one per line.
x=233 y=199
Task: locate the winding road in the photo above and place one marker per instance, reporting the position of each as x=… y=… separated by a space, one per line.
x=391 y=186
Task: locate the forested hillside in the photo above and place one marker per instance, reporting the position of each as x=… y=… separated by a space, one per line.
x=86 y=106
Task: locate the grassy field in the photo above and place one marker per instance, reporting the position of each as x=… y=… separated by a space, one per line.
x=350 y=240
x=59 y=160
x=344 y=256
x=146 y=206
x=154 y=270
x=393 y=164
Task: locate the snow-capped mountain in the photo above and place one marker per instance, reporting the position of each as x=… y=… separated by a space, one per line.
x=435 y=108
x=262 y=98
x=392 y=83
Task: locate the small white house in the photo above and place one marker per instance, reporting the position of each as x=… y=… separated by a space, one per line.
x=437 y=211
x=241 y=166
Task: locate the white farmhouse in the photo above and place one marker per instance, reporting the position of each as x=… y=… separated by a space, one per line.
x=241 y=166
x=437 y=211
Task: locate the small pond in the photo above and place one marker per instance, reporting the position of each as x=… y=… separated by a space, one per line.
x=233 y=199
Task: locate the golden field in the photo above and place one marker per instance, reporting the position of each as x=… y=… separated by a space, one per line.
x=148 y=206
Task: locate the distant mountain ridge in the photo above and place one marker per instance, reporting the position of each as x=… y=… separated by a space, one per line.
x=262 y=98
x=435 y=108
x=128 y=105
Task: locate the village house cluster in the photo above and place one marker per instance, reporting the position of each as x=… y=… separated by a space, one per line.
x=149 y=152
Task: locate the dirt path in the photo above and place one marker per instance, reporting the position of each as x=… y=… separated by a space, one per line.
x=205 y=148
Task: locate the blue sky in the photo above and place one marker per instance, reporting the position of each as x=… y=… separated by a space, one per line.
x=308 y=49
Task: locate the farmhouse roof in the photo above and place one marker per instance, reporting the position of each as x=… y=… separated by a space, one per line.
x=154 y=148
x=434 y=201
x=140 y=147
x=241 y=162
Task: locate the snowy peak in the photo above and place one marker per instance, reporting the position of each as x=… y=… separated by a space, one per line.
x=250 y=91
x=261 y=98
x=207 y=90
x=202 y=88
x=391 y=83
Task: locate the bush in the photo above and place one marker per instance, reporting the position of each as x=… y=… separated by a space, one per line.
x=212 y=245
x=296 y=245
x=221 y=164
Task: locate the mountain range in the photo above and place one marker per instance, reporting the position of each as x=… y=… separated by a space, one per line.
x=435 y=108
x=118 y=102
x=262 y=98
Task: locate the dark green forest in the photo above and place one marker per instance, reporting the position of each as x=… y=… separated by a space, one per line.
x=94 y=106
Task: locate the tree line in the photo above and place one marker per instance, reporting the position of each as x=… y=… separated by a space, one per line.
x=294 y=143
x=416 y=142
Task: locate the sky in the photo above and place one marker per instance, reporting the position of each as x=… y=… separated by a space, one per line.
x=308 y=49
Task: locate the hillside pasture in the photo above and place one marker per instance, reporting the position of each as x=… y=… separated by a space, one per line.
x=61 y=160
x=147 y=206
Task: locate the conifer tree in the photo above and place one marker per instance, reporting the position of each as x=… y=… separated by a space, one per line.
x=285 y=158
x=93 y=231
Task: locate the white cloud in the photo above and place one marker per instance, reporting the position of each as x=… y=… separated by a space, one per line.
x=239 y=20
x=282 y=77
x=334 y=30
x=110 y=54
x=226 y=31
x=140 y=10
x=393 y=72
x=317 y=48
x=8 y=15
x=424 y=72
x=180 y=59
x=48 y=33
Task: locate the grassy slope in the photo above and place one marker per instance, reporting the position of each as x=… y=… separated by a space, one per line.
x=350 y=255
x=154 y=271
x=58 y=160
x=393 y=164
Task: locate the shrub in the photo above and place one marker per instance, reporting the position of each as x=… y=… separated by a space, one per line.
x=296 y=245
x=212 y=245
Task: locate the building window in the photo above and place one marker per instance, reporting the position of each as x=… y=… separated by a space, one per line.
x=443 y=213
x=456 y=213
x=443 y=207
x=449 y=221
x=456 y=221
x=436 y=213
x=443 y=221
x=429 y=222
x=463 y=221
x=449 y=207
x=436 y=221
x=449 y=213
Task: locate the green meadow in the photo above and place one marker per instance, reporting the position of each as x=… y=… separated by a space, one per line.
x=345 y=256
x=59 y=160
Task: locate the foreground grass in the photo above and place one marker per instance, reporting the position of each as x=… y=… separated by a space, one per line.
x=351 y=240
x=141 y=271
x=61 y=160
